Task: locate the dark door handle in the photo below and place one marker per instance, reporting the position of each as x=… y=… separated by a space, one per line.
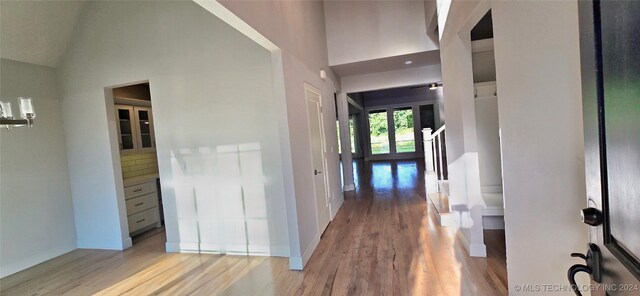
x=571 y=274
x=592 y=258
x=316 y=172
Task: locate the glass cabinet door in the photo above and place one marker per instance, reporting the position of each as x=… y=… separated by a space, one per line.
x=144 y=121
x=126 y=128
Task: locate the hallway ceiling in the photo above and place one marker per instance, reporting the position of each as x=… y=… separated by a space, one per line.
x=37 y=32
x=420 y=59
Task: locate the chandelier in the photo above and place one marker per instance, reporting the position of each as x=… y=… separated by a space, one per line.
x=26 y=114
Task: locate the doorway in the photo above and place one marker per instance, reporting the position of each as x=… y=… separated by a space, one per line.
x=318 y=161
x=487 y=126
x=138 y=160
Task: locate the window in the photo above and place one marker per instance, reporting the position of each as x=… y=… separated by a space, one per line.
x=352 y=132
x=338 y=133
x=379 y=132
x=403 y=124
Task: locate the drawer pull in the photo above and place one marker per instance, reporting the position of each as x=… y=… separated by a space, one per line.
x=138 y=190
x=141 y=220
x=138 y=204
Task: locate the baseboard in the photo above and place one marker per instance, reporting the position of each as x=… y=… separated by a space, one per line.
x=172 y=247
x=447 y=220
x=295 y=263
x=335 y=207
x=117 y=245
x=349 y=187
x=298 y=263
x=127 y=243
x=475 y=249
x=272 y=251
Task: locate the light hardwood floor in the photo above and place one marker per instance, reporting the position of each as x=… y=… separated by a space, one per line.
x=384 y=241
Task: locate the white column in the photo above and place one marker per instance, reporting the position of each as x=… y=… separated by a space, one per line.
x=428 y=149
x=345 y=142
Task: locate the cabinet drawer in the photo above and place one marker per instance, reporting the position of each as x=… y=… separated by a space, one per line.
x=143 y=219
x=141 y=203
x=140 y=189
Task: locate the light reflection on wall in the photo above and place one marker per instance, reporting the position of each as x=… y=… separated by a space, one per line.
x=220 y=199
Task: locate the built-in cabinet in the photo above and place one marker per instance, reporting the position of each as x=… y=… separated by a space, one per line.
x=135 y=129
x=141 y=199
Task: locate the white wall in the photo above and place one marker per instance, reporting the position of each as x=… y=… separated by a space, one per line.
x=487 y=129
x=36 y=210
x=541 y=129
x=391 y=79
x=461 y=141
x=211 y=86
x=297 y=28
x=542 y=137
x=484 y=66
x=366 y=30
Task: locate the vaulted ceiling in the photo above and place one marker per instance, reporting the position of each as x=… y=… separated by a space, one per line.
x=37 y=32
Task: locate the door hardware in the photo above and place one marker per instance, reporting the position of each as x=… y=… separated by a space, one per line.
x=592 y=267
x=591 y=216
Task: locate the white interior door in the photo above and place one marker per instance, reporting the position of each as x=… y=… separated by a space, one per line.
x=316 y=138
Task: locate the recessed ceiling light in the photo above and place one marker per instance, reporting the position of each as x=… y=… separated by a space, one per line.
x=408 y=62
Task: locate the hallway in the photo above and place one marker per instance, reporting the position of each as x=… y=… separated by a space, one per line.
x=384 y=241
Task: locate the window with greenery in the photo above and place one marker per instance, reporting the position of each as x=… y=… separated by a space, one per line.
x=379 y=131
x=403 y=124
x=352 y=132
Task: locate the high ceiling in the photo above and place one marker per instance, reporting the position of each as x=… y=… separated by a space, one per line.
x=37 y=32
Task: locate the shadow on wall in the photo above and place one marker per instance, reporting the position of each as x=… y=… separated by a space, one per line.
x=220 y=198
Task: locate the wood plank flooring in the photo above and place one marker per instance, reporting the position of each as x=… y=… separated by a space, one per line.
x=384 y=241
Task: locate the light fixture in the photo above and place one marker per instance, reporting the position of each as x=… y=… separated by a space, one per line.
x=27 y=114
x=433 y=86
x=408 y=62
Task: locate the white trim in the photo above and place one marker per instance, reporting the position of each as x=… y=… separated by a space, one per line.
x=335 y=207
x=310 y=88
x=127 y=243
x=354 y=103
x=474 y=250
x=298 y=263
x=482 y=45
x=447 y=220
x=237 y=23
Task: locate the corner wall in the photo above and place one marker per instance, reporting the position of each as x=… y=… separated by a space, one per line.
x=297 y=28
x=541 y=130
x=212 y=90
x=542 y=138
x=36 y=210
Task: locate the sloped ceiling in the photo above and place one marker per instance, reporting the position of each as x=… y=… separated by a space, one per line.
x=37 y=32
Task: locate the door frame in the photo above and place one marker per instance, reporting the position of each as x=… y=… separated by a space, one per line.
x=417 y=131
x=310 y=88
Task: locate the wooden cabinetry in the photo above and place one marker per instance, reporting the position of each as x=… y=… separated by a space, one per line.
x=135 y=129
x=141 y=198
